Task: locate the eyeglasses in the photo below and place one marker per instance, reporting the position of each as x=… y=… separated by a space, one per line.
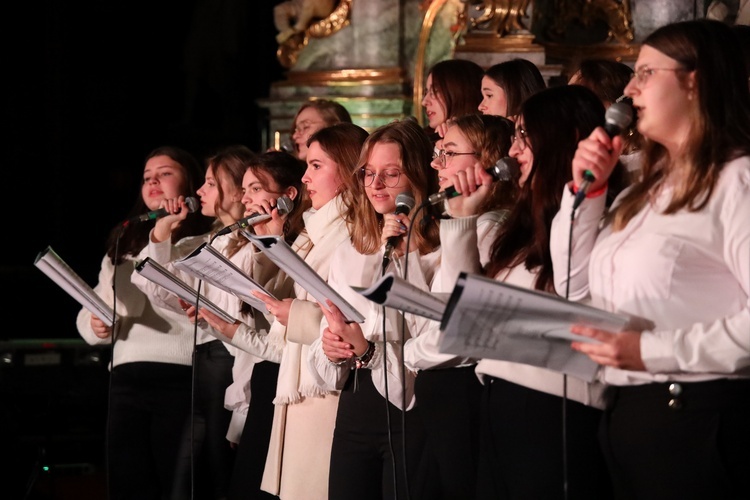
x=641 y=75
x=444 y=155
x=389 y=177
x=519 y=138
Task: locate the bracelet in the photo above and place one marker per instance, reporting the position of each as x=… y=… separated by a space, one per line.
x=592 y=194
x=361 y=361
x=338 y=363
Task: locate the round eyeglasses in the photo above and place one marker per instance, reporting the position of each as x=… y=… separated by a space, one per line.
x=444 y=155
x=388 y=177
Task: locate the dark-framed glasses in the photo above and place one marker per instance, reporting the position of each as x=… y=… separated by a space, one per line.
x=389 y=177
x=519 y=138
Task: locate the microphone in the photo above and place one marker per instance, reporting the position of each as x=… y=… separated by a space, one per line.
x=503 y=170
x=616 y=119
x=284 y=205
x=191 y=202
x=404 y=203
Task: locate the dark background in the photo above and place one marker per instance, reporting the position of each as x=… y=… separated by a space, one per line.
x=91 y=88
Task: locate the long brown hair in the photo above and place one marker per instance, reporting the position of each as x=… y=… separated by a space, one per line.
x=230 y=163
x=459 y=83
x=555 y=119
x=131 y=239
x=720 y=117
x=363 y=221
x=279 y=170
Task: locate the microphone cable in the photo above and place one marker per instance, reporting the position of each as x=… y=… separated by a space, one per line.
x=405 y=270
x=192 y=390
x=115 y=334
x=565 y=376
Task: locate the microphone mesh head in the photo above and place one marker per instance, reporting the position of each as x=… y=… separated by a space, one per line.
x=405 y=199
x=505 y=169
x=284 y=205
x=619 y=115
x=192 y=204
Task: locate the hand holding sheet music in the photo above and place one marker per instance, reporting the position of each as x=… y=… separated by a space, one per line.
x=210 y=265
x=287 y=259
x=153 y=271
x=58 y=271
x=486 y=318
x=397 y=293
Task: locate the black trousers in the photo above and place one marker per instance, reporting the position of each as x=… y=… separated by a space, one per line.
x=149 y=406
x=448 y=401
x=370 y=442
x=521 y=447
x=251 y=455
x=692 y=442
x=206 y=459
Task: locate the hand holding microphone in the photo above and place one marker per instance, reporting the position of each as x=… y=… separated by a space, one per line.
x=284 y=205
x=596 y=157
x=191 y=204
x=505 y=169
x=404 y=204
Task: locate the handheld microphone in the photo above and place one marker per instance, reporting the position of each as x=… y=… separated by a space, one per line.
x=616 y=119
x=288 y=147
x=191 y=202
x=503 y=170
x=404 y=203
x=284 y=205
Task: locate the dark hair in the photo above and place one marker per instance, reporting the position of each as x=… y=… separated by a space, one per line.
x=555 y=119
x=605 y=77
x=742 y=31
x=459 y=84
x=284 y=170
x=131 y=239
x=519 y=78
x=343 y=144
x=720 y=117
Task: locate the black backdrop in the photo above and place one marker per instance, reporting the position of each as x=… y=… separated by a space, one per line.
x=91 y=87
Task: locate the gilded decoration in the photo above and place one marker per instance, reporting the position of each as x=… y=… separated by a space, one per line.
x=291 y=45
x=500 y=17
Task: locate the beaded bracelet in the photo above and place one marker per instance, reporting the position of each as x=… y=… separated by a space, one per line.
x=361 y=361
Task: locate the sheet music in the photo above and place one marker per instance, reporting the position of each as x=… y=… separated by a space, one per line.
x=155 y=272
x=486 y=318
x=58 y=271
x=210 y=265
x=397 y=293
x=287 y=259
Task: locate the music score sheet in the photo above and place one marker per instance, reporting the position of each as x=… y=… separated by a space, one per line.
x=489 y=319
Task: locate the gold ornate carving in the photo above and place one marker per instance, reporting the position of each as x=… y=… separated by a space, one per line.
x=338 y=19
x=501 y=17
x=289 y=49
x=346 y=77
